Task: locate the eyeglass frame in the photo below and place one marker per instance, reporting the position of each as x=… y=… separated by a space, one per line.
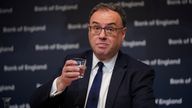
x=108 y=33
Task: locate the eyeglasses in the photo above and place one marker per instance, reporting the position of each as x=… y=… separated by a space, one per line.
x=109 y=31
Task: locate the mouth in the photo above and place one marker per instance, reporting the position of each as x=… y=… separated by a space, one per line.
x=102 y=45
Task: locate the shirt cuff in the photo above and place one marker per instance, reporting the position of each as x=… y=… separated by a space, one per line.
x=54 y=91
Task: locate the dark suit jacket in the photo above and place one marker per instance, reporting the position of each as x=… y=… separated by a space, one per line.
x=130 y=87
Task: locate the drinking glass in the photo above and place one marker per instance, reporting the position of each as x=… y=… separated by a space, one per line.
x=81 y=63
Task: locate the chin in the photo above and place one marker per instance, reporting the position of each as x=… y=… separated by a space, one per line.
x=101 y=51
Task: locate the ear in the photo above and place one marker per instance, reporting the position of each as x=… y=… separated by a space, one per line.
x=124 y=32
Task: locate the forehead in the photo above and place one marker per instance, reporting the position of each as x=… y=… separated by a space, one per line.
x=106 y=17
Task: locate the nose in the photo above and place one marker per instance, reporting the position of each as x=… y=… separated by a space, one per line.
x=102 y=34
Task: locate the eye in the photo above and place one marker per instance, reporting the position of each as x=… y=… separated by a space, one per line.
x=110 y=29
x=96 y=27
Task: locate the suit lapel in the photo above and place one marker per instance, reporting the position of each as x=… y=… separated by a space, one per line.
x=117 y=77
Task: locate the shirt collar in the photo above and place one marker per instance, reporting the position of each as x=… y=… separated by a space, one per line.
x=109 y=64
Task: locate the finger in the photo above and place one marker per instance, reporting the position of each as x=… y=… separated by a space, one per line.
x=70 y=63
x=72 y=79
x=71 y=74
x=69 y=66
x=71 y=69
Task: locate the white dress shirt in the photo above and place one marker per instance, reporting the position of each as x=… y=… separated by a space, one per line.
x=107 y=73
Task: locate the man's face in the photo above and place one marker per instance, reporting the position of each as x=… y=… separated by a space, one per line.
x=106 y=33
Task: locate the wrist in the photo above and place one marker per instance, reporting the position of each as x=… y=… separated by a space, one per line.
x=60 y=85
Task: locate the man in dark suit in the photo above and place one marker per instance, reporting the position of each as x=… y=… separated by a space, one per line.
x=125 y=82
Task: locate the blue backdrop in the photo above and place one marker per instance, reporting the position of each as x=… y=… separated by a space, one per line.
x=35 y=36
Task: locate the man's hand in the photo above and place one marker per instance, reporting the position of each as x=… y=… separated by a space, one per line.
x=70 y=72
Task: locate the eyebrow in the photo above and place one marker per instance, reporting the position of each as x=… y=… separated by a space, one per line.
x=94 y=22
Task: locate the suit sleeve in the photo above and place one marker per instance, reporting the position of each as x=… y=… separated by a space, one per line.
x=41 y=97
x=142 y=89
